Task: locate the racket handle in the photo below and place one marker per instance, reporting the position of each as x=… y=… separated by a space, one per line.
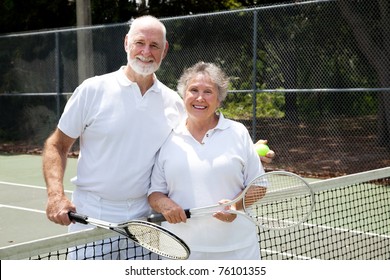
x=82 y=219
x=156 y=218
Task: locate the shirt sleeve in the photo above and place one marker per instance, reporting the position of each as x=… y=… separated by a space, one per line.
x=158 y=181
x=71 y=122
x=253 y=167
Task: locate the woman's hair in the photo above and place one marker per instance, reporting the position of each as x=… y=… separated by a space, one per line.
x=216 y=74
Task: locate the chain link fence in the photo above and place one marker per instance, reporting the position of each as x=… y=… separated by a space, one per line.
x=312 y=78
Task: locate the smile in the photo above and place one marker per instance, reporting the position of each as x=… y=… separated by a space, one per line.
x=144 y=59
x=199 y=107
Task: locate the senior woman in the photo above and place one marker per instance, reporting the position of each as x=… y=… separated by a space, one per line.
x=206 y=160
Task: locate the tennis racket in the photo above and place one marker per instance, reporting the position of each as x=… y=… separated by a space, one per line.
x=275 y=200
x=150 y=236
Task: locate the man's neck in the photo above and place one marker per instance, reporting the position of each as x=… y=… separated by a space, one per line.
x=143 y=82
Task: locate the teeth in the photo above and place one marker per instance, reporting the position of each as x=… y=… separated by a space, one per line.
x=199 y=107
x=144 y=59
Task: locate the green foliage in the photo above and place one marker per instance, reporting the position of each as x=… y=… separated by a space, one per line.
x=240 y=106
x=38 y=123
x=351 y=104
x=21 y=15
x=296 y=49
x=163 y=8
x=108 y=11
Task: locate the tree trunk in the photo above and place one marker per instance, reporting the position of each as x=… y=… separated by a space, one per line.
x=377 y=53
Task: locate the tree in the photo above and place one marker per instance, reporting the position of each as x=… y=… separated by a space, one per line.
x=21 y=15
x=372 y=34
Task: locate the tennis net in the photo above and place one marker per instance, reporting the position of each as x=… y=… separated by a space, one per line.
x=90 y=244
x=351 y=220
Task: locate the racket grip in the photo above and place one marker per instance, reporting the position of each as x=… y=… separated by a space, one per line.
x=78 y=217
x=156 y=218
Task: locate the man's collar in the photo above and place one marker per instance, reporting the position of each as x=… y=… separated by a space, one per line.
x=125 y=81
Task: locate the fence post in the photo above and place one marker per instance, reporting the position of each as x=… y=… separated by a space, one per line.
x=58 y=73
x=254 y=72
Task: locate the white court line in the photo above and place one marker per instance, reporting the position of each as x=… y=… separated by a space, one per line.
x=357 y=232
x=23 y=208
x=299 y=257
x=334 y=229
x=26 y=186
x=29 y=186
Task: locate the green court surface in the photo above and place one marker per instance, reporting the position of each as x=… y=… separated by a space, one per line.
x=23 y=199
x=350 y=218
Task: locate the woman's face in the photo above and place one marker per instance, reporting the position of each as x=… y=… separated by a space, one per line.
x=201 y=97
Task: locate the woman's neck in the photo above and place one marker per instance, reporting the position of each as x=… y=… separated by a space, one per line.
x=199 y=128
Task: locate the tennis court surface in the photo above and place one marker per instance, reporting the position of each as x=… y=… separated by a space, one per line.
x=23 y=199
x=351 y=220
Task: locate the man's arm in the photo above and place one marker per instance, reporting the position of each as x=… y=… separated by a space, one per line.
x=54 y=158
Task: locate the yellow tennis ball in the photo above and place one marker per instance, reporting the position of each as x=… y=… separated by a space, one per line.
x=262 y=149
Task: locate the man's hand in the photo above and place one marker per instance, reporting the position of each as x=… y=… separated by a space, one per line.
x=57 y=209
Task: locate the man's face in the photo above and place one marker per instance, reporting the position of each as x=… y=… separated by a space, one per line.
x=146 y=48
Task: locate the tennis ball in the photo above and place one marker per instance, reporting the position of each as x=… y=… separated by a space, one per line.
x=262 y=149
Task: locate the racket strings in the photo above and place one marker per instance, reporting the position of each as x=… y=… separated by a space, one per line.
x=283 y=213
x=157 y=240
x=287 y=202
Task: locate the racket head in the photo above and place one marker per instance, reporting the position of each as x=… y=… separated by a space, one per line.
x=157 y=239
x=287 y=202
